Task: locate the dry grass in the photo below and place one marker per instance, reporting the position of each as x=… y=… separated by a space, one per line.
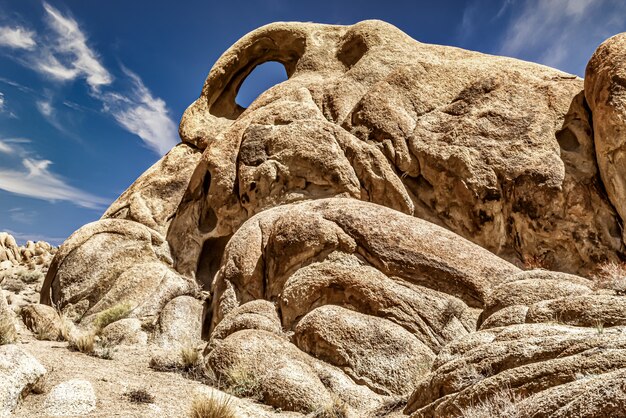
x=114 y=313
x=204 y=406
x=190 y=357
x=8 y=333
x=30 y=276
x=503 y=404
x=337 y=408
x=139 y=395
x=85 y=343
x=47 y=331
x=242 y=382
x=612 y=276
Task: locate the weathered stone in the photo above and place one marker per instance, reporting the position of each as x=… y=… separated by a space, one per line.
x=153 y=198
x=501 y=153
x=18 y=372
x=126 y=331
x=113 y=261
x=180 y=322
x=75 y=397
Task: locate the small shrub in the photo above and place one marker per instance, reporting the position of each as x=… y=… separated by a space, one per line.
x=242 y=382
x=337 y=408
x=503 y=404
x=204 y=406
x=8 y=333
x=30 y=276
x=47 y=331
x=103 y=351
x=454 y=308
x=85 y=343
x=139 y=395
x=190 y=357
x=114 y=313
x=612 y=276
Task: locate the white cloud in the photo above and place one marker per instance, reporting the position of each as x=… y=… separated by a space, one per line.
x=1 y=102
x=5 y=148
x=143 y=114
x=560 y=33
x=44 y=107
x=64 y=55
x=35 y=180
x=71 y=44
x=17 y=37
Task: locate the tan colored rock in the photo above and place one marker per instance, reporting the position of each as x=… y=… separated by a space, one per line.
x=42 y=318
x=153 y=198
x=180 y=322
x=109 y=262
x=500 y=153
x=361 y=287
x=18 y=372
x=73 y=398
x=546 y=365
x=605 y=91
x=127 y=331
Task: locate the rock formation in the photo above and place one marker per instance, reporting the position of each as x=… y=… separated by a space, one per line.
x=398 y=228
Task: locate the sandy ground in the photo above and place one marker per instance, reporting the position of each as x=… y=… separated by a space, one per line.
x=111 y=379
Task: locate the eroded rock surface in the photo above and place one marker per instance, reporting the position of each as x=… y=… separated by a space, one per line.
x=354 y=238
x=500 y=153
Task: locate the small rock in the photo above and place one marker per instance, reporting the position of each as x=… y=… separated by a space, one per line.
x=75 y=397
x=18 y=371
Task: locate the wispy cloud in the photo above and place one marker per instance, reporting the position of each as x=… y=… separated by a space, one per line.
x=32 y=177
x=64 y=55
x=35 y=180
x=70 y=56
x=22 y=216
x=17 y=37
x=561 y=33
x=2 y=106
x=143 y=114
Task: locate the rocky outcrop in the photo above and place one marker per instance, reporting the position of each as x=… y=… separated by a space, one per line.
x=500 y=153
x=355 y=238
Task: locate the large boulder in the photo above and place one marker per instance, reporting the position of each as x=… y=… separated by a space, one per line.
x=497 y=150
x=605 y=91
x=112 y=262
x=153 y=198
x=368 y=291
x=19 y=371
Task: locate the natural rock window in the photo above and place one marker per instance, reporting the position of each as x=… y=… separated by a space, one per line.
x=262 y=78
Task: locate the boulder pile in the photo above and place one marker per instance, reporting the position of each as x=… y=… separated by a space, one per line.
x=397 y=229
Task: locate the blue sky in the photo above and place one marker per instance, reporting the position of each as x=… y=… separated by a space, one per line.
x=91 y=93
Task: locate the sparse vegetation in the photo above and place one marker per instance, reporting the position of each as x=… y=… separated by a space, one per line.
x=190 y=357
x=504 y=404
x=612 y=276
x=204 y=406
x=8 y=333
x=140 y=395
x=40 y=386
x=114 y=313
x=85 y=343
x=242 y=382
x=454 y=308
x=337 y=408
x=46 y=330
x=30 y=276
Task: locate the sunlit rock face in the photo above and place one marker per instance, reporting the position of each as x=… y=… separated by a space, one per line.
x=356 y=237
x=497 y=150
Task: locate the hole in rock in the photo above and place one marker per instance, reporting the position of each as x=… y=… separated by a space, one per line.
x=262 y=78
x=567 y=140
x=209 y=261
